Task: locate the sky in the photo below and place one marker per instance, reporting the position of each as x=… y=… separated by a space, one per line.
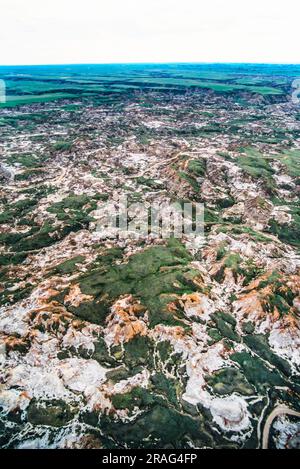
x=108 y=31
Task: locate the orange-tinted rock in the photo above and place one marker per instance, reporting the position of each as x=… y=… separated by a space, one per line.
x=123 y=323
x=75 y=297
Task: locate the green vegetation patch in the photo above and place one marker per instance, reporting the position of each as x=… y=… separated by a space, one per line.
x=287 y=232
x=72 y=202
x=17 y=210
x=291 y=160
x=238 y=266
x=74 y=211
x=68 y=266
x=54 y=413
x=138 y=397
x=195 y=169
x=62 y=145
x=155 y=276
x=257 y=373
x=28 y=160
x=225 y=324
x=229 y=380
x=259 y=344
x=257 y=166
x=157 y=427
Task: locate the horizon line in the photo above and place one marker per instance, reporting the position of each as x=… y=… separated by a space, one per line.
x=69 y=64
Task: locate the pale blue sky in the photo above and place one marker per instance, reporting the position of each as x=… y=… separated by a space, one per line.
x=101 y=31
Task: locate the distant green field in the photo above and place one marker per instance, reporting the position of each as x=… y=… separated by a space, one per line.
x=34 y=84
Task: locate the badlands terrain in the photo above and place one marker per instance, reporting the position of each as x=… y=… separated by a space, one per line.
x=125 y=342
